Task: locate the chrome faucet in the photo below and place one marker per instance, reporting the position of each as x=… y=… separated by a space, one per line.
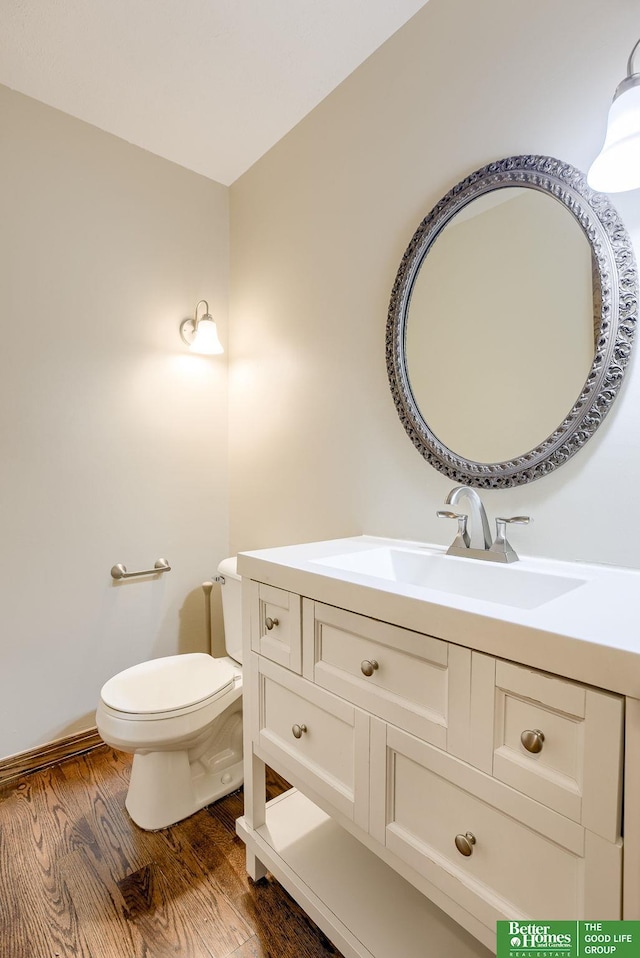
x=479 y=535
x=477 y=544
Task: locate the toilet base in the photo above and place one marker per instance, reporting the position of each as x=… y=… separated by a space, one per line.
x=169 y=785
x=166 y=788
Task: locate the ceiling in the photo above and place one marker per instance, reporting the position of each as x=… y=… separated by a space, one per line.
x=209 y=84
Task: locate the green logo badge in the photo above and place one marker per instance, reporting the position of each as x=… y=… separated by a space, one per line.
x=568 y=939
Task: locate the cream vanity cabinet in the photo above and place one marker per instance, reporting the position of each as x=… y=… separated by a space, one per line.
x=429 y=778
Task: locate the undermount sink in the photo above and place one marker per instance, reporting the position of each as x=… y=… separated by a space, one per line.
x=510 y=585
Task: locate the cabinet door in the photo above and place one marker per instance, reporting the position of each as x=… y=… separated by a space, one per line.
x=414 y=681
x=318 y=740
x=496 y=852
x=276 y=625
x=557 y=741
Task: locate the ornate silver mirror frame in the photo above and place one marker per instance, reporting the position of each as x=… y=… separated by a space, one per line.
x=615 y=270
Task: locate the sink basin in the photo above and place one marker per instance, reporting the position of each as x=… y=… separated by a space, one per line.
x=510 y=585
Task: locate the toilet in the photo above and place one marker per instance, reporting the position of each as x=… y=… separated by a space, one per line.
x=181 y=718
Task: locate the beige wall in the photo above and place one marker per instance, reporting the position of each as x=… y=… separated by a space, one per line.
x=319 y=226
x=114 y=439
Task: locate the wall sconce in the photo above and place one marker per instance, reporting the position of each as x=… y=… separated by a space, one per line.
x=201 y=335
x=617 y=166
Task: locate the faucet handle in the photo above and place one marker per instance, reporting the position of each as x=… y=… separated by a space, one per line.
x=501 y=545
x=461 y=541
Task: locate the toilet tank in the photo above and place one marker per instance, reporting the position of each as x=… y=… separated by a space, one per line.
x=231 y=607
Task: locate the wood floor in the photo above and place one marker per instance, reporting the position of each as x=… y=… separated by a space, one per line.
x=78 y=878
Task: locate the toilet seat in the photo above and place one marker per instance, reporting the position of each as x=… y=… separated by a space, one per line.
x=169 y=686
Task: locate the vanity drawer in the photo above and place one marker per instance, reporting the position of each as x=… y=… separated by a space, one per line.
x=555 y=740
x=525 y=860
x=276 y=625
x=312 y=735
x=414 y=681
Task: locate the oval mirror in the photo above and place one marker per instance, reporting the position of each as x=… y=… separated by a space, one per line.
x=511 y=322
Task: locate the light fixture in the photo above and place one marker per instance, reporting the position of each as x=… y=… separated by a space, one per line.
x=201 y=335
x=617 y=166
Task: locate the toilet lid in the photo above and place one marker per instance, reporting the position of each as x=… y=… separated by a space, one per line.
x=166 y=684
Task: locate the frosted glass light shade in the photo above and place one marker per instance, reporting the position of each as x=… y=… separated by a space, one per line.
x=206 y=340
x=617 y=166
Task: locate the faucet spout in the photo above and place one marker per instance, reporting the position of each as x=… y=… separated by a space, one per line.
x=479 y=535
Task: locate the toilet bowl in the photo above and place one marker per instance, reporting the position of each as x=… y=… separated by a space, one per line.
x=181 y=718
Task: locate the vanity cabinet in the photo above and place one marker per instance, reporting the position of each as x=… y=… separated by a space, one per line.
x=428 y=774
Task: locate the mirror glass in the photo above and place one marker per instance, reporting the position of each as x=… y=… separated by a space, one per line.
x=502 y=304
x=511 y=322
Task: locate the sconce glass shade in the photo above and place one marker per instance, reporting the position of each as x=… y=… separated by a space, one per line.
x=205 y=339
x=201 y=335
x=617 y=166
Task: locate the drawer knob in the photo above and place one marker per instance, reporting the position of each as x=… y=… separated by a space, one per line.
x=465 y=843
x=269 y=622
x=298 y=730
x=368 y=667
x=533 y=740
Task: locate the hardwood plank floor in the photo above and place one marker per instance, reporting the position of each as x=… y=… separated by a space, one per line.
x=79 y=880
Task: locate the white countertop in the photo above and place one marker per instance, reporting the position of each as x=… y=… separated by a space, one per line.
x=591 y=633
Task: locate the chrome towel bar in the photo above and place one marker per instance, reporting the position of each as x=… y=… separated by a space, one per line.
x=119 y=571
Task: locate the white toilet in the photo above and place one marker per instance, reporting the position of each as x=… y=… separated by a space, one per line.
x=181 y=718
